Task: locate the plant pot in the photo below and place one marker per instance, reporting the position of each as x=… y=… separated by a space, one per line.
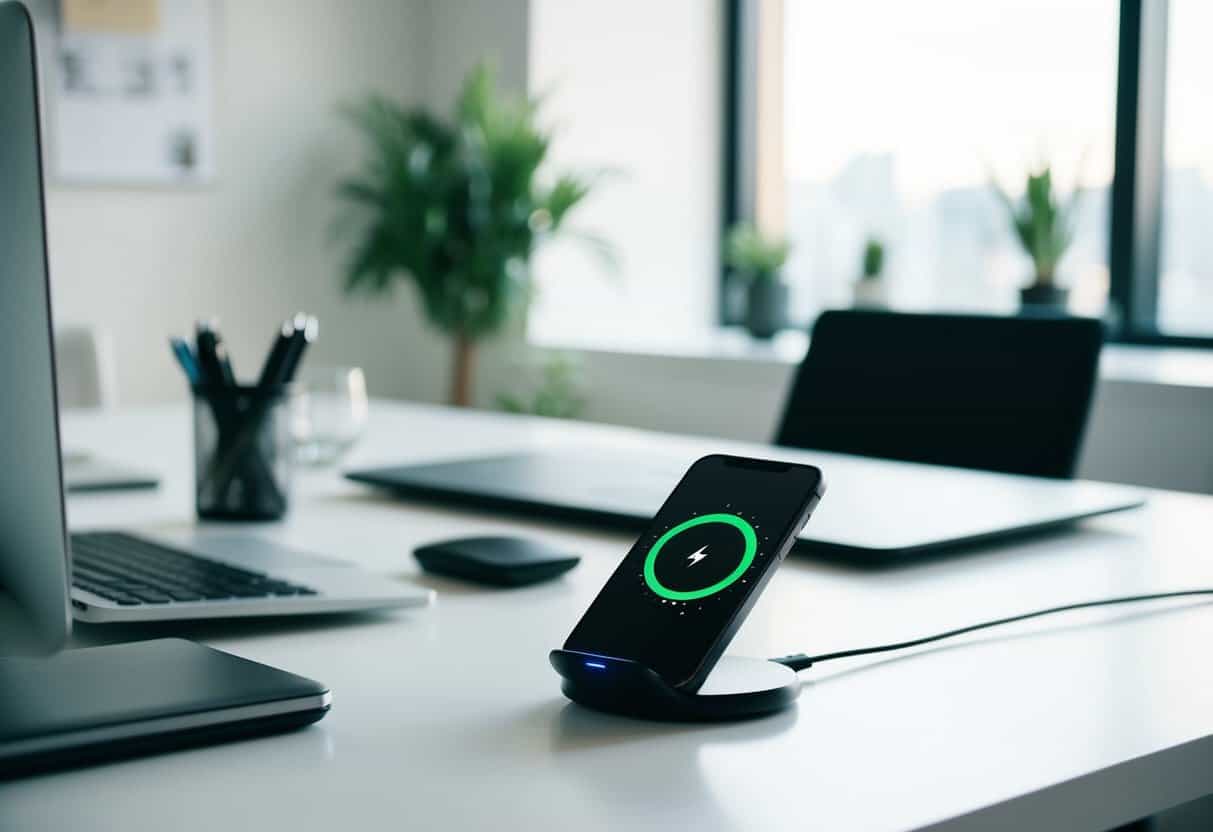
x=1043 y=299
x=870 y=293
x=766 y=307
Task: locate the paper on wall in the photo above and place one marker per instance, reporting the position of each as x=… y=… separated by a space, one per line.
x=133 y=92
x=129 y=16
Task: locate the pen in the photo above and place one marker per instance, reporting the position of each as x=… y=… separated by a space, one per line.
x=185 y=357
x=226 y=373
x=277 y=354
x=209 y=366
x=213 y=357
x=304 y=336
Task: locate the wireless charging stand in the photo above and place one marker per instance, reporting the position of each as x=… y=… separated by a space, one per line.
x=737 y=688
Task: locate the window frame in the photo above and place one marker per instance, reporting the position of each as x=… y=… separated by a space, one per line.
x=1136 y=195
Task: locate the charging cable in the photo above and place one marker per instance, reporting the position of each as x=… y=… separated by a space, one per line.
x=801 y=661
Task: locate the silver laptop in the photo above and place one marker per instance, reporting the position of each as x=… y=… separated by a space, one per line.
x=115 y=576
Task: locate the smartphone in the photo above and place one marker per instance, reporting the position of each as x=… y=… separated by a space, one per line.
x=679 y=595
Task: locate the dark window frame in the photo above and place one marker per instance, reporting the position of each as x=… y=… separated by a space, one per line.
x=1136 y=203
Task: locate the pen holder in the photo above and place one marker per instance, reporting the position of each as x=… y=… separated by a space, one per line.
x=243 y=452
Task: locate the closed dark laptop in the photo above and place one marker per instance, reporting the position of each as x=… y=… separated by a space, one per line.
x=83 y=705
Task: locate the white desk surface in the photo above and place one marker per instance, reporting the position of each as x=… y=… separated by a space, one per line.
x=451 y=718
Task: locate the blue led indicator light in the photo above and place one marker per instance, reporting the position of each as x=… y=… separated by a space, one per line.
x=596 y=665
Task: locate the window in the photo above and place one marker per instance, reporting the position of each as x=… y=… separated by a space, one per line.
x=889 y=120
x=1185 y=280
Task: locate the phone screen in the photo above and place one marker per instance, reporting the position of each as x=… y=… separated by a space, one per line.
x=674 y=601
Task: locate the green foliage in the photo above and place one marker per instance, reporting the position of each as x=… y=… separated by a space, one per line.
x=1044 y=226
x=753 y=255
x=558 y=395
x=873 y=258
x=454 y=206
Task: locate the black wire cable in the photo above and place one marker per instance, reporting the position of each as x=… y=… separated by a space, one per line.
x=801 y=661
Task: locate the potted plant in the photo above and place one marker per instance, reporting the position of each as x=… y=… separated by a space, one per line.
x=757 y=259
x=870 y=289
x=455 y=207
x=559 y=394
x=1045 y=228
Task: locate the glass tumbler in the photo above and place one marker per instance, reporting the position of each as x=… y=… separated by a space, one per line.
x=331 y=413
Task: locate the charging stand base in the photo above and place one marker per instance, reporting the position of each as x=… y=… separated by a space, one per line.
x=737 y=688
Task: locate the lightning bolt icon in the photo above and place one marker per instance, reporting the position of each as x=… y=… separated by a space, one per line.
x=695 y=557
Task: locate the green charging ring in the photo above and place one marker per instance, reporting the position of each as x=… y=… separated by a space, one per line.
x=751 y=548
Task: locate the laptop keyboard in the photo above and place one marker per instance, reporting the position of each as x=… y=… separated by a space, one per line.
x=131 y=571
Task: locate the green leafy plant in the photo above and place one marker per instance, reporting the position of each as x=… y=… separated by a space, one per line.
x=1043 y=225
x=558 y=395
x=753 y=255
x=873 y=259
x=455 y=207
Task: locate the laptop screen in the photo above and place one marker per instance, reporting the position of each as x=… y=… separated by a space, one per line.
x=33 y=547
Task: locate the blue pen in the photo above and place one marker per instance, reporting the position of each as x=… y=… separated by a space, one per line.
x=185 y=357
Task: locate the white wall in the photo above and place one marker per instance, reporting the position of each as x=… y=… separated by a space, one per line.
x=465 y=32
x=636 y=88
x=255 y=246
